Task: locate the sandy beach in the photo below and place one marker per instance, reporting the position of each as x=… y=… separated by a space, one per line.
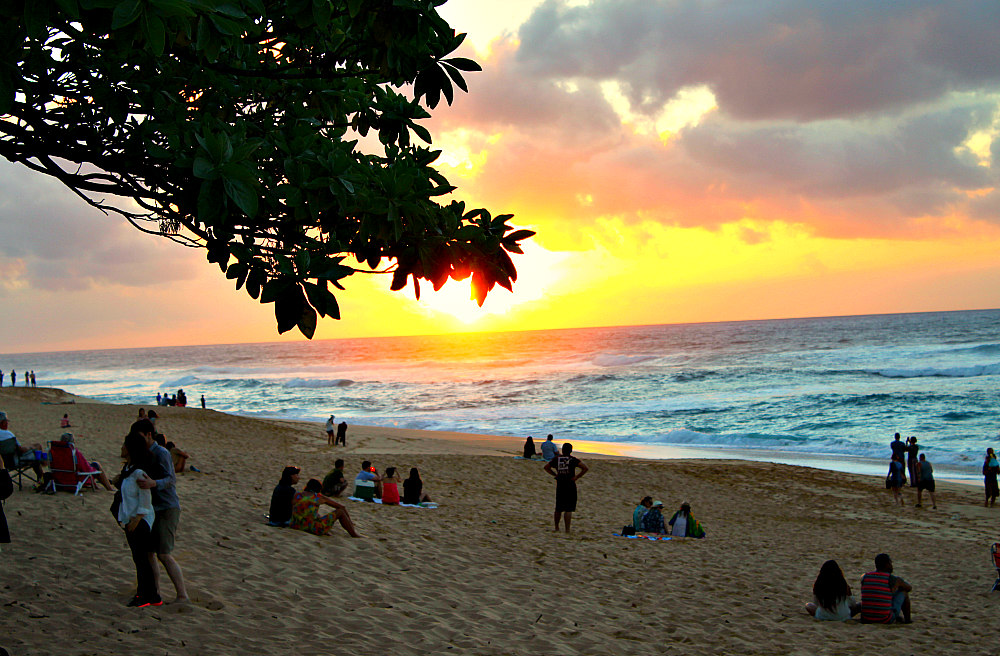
x=484 y=573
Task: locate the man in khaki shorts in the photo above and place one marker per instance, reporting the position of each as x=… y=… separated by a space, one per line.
x=168 y=510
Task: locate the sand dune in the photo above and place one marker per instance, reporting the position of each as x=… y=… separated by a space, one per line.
x=483 y=573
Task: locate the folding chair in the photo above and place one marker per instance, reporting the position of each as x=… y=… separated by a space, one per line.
x=19 y=466
x=64 y=472
x=995 y=552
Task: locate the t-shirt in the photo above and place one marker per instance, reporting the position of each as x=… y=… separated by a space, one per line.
x=549 y=449
x=7 y=435
x=926 y=471
x=329 y=425
x=898 y=448
x=411 y=491
x=565 y=467
x=332 y=480
x=364 y=476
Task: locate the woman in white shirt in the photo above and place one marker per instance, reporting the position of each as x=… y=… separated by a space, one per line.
x=832 y=598
x=136 y=516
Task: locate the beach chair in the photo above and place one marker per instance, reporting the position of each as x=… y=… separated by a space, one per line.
x=17 y=465
x=65 y=475
x=364 y=490
x=995 y=552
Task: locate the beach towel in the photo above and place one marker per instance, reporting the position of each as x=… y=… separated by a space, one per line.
x=643 y=536
x=535 y=459
x=427 y=504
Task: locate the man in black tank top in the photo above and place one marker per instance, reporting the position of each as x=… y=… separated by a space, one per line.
x=563 y=469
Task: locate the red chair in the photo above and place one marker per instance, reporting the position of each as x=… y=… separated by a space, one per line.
x=64 y=471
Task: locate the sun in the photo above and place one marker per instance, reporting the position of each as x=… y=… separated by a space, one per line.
x=454 y=299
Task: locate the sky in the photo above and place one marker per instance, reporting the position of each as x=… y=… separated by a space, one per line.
x=680 y=160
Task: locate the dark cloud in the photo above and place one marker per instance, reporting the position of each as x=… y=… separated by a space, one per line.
x=64 y=244
x=771 y=59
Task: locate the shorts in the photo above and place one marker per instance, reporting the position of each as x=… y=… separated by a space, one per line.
x=165 y=530
x=925 y=485
x=898 y=597
x=565 y=496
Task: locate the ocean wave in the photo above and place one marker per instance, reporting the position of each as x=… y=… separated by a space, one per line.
x=183 y=381
x=990 y=349
x=693 y=376
x=592 y=379
x=943 y=372
x=318 y=382
x=67 y=382
x=606 y=360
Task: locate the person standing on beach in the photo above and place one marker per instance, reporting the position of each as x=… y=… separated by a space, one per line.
x=167 y=508
x=990 y=470
x=331 y=428
x=563 y=469
x=13 y=378
x=33 y=378
x=202 y=401
x=341 y=434
x=897 y=478
x=1 y=379
x=925 y=480
x=899 y=452
x=911 y=458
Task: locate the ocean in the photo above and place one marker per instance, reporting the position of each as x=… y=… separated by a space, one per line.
x=827 y=391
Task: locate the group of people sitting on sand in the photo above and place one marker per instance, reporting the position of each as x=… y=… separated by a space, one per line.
x=548 y=449
x=648 y=518
x=370 y=485
x=885 y=598
x=300 y=510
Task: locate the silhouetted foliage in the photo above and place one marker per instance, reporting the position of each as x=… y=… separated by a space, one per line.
x=234 y=126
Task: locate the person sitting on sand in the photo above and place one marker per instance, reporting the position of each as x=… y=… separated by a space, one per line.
x=832 y=598
x=179 y=457
x=82 y=465
x=885 y=599
x=142 y=414
x=652 y=520
x=529 y=449
x=280 y=512
x=413 y=489
x=64 y=422
x=644 y=505
x=925 y=480
x=390 y=487
x=684 y=525
x=305 y=512
x=368 y=473
x=549 y=449
x=334 y=483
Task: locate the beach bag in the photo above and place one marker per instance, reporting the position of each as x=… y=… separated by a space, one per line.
x=888 y=481
x=628 y=530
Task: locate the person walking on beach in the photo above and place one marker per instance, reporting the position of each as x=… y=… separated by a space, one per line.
x=341 y=434
x=990 y=470
x=563 y=469
x=167 y=508
x=925 y=480
x=331 y=428
x=896 y=478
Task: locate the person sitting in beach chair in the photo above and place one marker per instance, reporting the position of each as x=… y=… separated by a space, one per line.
x=70 y=470
x=18 y=459
x=995 y=553
x=305 y=512
x=367 y=484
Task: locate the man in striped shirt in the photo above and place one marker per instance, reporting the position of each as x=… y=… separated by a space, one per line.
x=885 y=598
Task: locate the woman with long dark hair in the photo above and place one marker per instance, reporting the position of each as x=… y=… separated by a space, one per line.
x=413 y=489
x=990 y=470
x=280 y=512
x=136 y=516
x=832 y=598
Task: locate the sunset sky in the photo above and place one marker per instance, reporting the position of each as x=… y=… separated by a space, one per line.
x=680 y=160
